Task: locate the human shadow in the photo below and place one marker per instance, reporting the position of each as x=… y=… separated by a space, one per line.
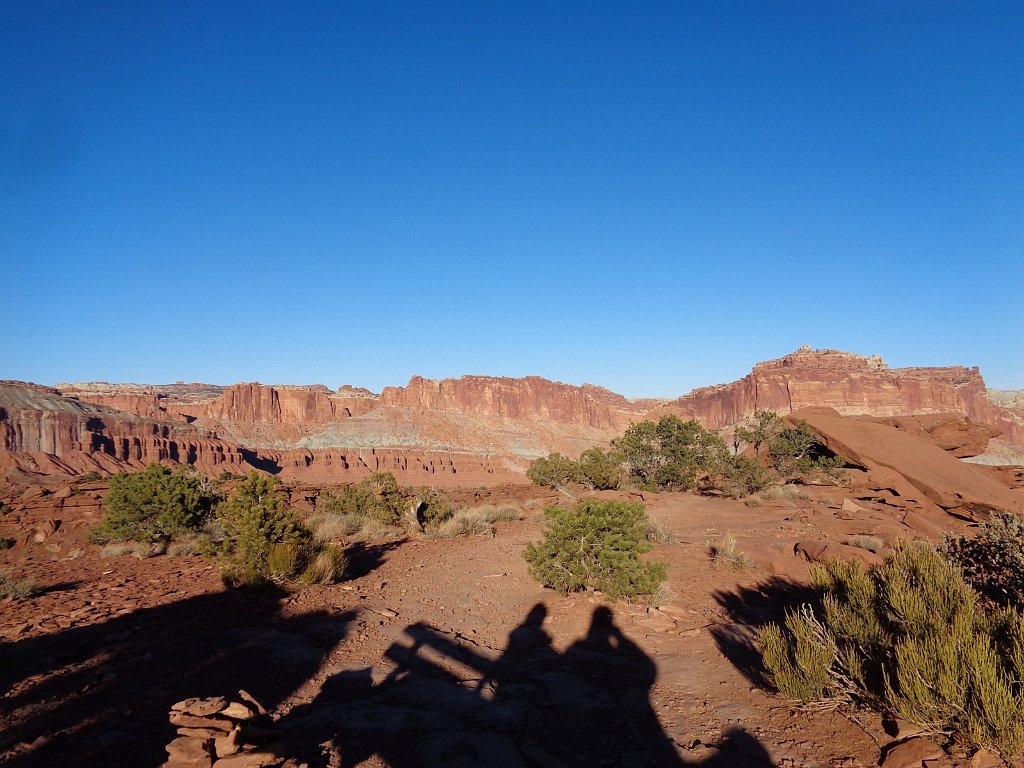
x=444 y=700
x=99 y=694
x=750 y=608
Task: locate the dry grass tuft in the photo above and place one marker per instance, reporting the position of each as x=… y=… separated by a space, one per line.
x=15 y=587
x=724 y=552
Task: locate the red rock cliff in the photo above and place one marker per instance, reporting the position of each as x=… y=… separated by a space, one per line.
x=518 y=399
x=851 y=384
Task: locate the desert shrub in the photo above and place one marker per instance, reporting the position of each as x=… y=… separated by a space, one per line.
x=600 y=469
x=741 y=476
x=908 y=638
x=758 y=430
x=786 y=492
x=16 y=587
x=92 y=476
x=670 y=453
x=465 y=522
x=154 y=504
x=377 y=497
x=554 y=470
x=5 y=508
x=724 y=552
x=596 y=545
x=6 y=543
x=992 y=561
x=327 y=567
x=121 y=548
x=188 y=545
x=797 y=451
x=433 y=506
x=264 y=540
x=870 y=543
x=474 y=521
x=331 y=527
x=657 y=533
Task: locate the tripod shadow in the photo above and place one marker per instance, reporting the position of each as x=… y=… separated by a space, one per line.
x=447 y=701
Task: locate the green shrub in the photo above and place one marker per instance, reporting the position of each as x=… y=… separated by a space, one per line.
x=433 y=506
x=992 y=561
x=92 y=476
x=264 y=540
x=596 y=545
x=910 y=639
x=797 y=451
x=5 y=509
x=600 y=469
x=670 y=453
x=554 y=471
x=154 y=505
x=759 y=429
x=378 y=497
x=742 y=476
x=6 y=543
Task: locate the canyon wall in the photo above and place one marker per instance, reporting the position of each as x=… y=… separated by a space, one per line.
x=851 y=384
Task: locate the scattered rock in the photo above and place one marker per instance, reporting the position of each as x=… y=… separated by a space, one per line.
x=911 y=753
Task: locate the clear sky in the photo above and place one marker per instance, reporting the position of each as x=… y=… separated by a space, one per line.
x=647 y=196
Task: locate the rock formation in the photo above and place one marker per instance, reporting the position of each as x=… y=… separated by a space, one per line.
x=853 y=385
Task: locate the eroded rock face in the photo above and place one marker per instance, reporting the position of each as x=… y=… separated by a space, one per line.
x=44 y=432
x=851 y=384
x=518 y=399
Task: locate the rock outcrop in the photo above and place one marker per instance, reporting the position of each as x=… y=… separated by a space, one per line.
x=912 y=468
x=516 y=399
x=851 y=384
x=43 y=432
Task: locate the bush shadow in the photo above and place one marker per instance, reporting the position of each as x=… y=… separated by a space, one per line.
x=100 y=694
x=364 y=559
x=750 y=608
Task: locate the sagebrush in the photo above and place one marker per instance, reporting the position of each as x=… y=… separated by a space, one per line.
x=911 y=639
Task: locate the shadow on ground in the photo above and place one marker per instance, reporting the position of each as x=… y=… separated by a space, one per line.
x=100 y=694
x=444 y=701
x=750 y=609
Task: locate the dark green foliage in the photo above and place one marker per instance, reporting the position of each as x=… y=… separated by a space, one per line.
x=910 y=639
x=758 y=430
x=5 y=509
x=378 y=497
x=554 y=471
x=993 y=560
x=264 y=540
x=154 y=505
x=670 y=453
x=797 y=450
x=434 y=506
x=596 y=545
x=6 y=543
x=742 y=476
x=600 y=469
x=91 y=476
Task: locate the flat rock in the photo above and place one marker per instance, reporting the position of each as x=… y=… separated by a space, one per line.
x=912 y=753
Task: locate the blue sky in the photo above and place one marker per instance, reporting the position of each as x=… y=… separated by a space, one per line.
x=650 y=197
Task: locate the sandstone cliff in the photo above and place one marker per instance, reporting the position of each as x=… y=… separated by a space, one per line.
x=852 y=385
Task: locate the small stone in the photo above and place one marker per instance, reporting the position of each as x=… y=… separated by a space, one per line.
x=193 y=721
x=985 y=759
x=237 y=711
x=248 y=698
x=186 y=749
x=228 y=745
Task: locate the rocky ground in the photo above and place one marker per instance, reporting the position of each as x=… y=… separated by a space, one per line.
x=433 y=652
